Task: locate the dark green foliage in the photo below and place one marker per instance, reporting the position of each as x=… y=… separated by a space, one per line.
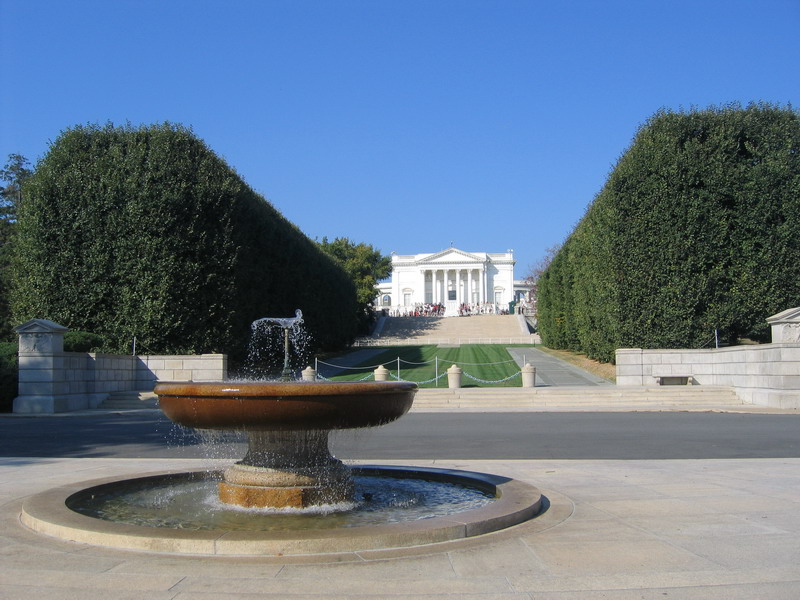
x=9 y=377
x=14 y=174
x=696 y=229
x=366 y=266
x=82 y=341
x=143 y=231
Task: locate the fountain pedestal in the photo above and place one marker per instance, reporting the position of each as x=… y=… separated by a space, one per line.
x=287 y=469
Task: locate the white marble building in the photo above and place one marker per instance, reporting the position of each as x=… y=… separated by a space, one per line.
x=453 y=278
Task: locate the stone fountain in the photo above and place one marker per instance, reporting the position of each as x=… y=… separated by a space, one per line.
x=288 y=467
x=288 y=462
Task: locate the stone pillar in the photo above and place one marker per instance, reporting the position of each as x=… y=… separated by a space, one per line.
x=454 y=377
x=528 y=376
x=309 y=374
x=458 y=287
x=41 y=368
x=381 y=374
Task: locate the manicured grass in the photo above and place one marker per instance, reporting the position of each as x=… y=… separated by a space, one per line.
x=482 y=365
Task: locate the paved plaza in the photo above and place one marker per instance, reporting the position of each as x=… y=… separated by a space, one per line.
x=706 y=528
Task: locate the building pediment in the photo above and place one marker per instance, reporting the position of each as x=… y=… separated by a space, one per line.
x=451 y=256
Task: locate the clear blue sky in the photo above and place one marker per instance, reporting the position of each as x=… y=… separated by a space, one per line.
x=404 y=124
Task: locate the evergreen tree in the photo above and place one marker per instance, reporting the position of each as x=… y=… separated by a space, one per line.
x=697 y=229
x=13 y=174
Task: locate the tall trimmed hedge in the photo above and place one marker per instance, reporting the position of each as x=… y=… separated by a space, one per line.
x=697 y=228
x=145 y=232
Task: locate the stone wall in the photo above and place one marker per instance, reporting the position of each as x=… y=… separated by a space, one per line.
x=765 y=374
x=51 y=380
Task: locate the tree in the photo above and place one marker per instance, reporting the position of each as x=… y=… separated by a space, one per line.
x=144 y=231
x=366 y=266
x=13 y=174
x=696 y=230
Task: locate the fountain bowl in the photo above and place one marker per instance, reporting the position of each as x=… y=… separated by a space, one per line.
x=285 y=406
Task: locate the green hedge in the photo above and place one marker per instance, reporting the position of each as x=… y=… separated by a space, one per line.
x=9 y=375
x=145 y=232
x=82 y=341
x=696 y=229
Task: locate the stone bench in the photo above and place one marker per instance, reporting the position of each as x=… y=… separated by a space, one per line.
x=674 y=379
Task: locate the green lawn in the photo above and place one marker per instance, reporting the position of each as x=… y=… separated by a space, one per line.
x=483 y=365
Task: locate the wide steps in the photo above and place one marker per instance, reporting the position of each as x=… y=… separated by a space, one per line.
x=475 y=329
x=129 y=401
x=612 y=396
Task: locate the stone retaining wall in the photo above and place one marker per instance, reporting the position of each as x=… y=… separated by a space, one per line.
x=51 y=380
x=767 y=374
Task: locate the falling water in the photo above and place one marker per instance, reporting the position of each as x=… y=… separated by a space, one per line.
x=277 y=347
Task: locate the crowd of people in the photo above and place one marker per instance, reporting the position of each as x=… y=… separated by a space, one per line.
x=438 y=310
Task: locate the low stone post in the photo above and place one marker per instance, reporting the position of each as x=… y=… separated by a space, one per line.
x=308 y=374
x=454 y=377
x=381 y=374
x=528 y=376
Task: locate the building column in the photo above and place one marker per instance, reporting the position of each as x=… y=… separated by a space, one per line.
x=458 y=286
x=469 y=286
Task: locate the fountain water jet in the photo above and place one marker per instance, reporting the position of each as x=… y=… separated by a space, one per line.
x=286 y=324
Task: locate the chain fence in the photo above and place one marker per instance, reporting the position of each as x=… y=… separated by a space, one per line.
x=397 y=363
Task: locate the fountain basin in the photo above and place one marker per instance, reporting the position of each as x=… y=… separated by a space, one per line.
x=285 y=406
x=514 y=502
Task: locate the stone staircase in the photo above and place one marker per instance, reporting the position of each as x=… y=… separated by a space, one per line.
x=578 y=398
x=476 y=329
x=129 y=401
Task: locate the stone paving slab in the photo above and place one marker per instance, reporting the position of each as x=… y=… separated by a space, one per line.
x=614 y=529
x=554 y=372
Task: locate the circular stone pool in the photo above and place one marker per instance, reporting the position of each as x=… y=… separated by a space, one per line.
x=178 y=512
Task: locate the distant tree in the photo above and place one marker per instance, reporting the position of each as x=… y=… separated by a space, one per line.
x=13 y=175
x=535 y=271
x=366 y=266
